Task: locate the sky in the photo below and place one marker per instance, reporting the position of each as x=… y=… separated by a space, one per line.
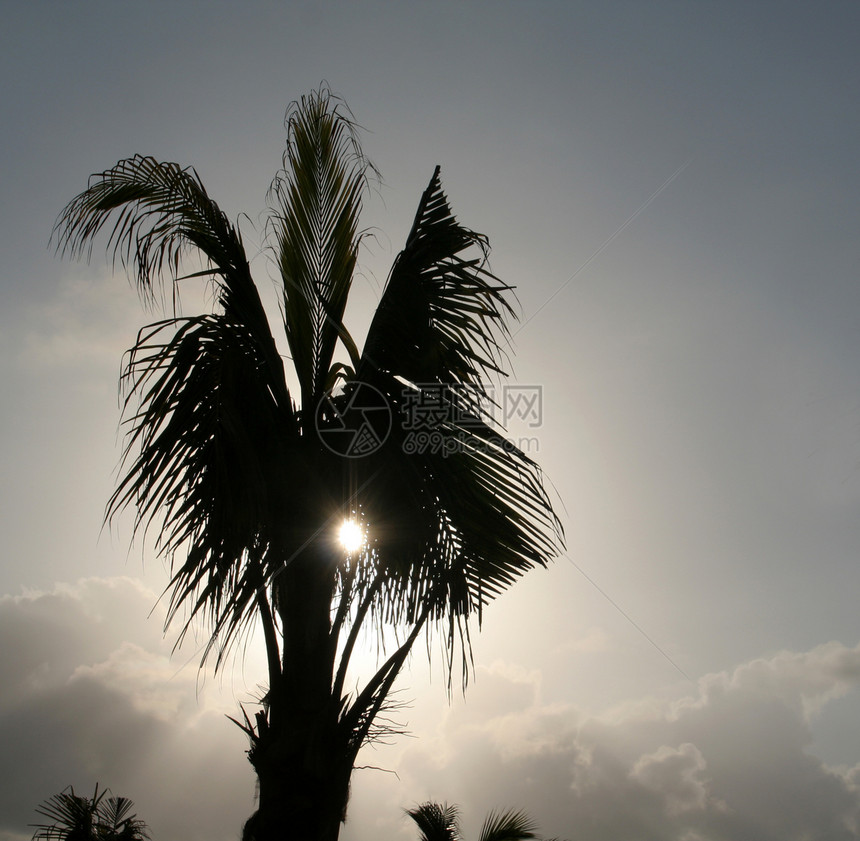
x=673 y=188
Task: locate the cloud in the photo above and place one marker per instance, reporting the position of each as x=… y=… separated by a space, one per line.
x=94 y=316
x=90 y=694
x=676 y=774
x=88 y=322
x=731 y=761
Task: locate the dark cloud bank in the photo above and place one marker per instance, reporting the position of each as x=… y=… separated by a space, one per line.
x=90 y=693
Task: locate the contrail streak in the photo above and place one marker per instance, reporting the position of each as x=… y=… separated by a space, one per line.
x=608 y=241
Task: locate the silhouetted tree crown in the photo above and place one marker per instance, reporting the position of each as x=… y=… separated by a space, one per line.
x=245 y=480
x=76 y=817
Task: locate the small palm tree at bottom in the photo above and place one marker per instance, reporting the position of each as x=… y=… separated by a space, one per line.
x=80 y=818
x=442 y=823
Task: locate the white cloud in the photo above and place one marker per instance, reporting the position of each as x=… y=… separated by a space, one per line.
x=731 y=762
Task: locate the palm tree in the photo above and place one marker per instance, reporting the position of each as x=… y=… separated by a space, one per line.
x=442 y=823
x=80 y=818
x=246 y=478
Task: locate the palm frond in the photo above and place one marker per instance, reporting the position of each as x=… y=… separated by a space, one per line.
x=158 y=210
x=359 y=714
x=317 y=199
x=73 y=817
x=510 y=825
x=456 y=522
x=117 y=822
x=161 y=211
x=207 y=407
x=207 y=437
x=437 y=822
x=79 y=818
x=442 y=314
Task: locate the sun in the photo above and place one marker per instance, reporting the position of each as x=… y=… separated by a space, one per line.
x=351 y=536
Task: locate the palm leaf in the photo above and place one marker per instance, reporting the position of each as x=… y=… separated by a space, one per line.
x=72 y=816
x=79 y=818
x=441 y=314
x=317 y=199
x=209 y=440
x=207 y=407
x=473 y=515
x=510 y=825
x=117 y=822
x=159 y=210
x=436 y=822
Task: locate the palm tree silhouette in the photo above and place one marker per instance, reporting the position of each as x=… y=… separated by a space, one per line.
x=247 y=482
x=77 y=817
x=442 y=823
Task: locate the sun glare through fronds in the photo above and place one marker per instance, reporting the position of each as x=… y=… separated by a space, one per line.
x=351 y=536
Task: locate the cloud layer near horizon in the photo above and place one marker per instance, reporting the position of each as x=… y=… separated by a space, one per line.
x=91 y=694
x=731 y=761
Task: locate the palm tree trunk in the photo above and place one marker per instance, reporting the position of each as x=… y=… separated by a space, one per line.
x=303 y=785
x=299 y=752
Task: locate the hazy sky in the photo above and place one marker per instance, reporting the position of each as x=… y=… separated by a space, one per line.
x=674 y=189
